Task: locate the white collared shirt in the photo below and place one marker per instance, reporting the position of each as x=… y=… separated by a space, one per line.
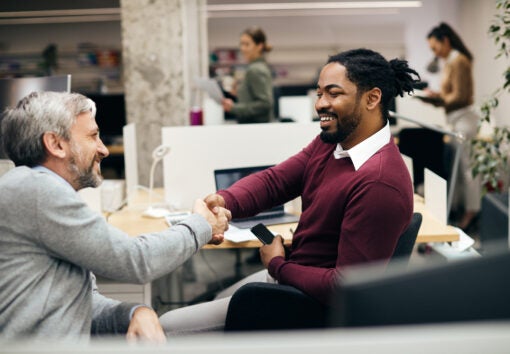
x=360 y=153
x=452 y=55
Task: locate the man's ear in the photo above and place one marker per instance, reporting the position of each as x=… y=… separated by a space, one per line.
x=53 y=144
x=373 y=98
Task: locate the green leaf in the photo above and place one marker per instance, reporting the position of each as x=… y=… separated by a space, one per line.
x=494 y=28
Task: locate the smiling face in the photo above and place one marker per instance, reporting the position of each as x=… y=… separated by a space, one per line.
x=338 y=105
x=86 y=150
x=249 y=49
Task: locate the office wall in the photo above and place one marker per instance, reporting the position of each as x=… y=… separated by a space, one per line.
x=488 y=72
x=313 y=38
x=310 y=39
x=35 y=37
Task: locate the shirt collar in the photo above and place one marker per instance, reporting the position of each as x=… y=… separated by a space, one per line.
x=452 y=55
x=360 y=153
x=50 y=172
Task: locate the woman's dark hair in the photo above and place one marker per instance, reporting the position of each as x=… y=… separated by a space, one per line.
x=368 y=69
x=445 y=31
x=258 y=36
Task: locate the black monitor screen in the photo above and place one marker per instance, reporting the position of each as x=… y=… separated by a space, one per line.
x=470 y=289
x=110 y=115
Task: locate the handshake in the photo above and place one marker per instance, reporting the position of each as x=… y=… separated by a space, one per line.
x=212 y=208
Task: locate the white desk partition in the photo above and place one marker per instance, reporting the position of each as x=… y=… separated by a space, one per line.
x=299 y=108
x=196 y=151
x=130 y=158
x=436 y=195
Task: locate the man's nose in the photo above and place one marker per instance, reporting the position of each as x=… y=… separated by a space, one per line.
x=103 y=150
x=321 y=103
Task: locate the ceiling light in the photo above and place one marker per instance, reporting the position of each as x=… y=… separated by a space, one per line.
x=314 y=5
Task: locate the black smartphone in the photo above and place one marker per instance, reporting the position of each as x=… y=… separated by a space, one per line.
x=263 y=234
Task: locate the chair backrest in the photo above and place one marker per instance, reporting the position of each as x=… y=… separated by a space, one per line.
x=407 y=240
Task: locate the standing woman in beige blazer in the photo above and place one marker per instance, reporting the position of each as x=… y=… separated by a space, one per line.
x=456 y=96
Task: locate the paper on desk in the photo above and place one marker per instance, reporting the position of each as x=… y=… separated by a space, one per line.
x=236 y=234
x=210 y=86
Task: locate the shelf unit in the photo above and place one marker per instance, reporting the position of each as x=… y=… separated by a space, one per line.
x=97 y=71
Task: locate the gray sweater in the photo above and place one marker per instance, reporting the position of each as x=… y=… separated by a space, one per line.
x=51 y=241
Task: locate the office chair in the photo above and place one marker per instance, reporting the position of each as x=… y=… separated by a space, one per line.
x=265 y=306
x=406 y=241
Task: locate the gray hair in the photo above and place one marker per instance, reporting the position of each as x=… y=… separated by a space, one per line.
x=40 y=112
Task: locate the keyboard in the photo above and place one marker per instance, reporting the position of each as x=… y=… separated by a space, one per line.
x=175 y=218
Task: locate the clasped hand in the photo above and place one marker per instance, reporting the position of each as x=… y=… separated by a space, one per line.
x=217 y=216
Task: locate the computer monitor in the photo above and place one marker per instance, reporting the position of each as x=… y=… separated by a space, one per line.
x=110 y=116
x=473 y=289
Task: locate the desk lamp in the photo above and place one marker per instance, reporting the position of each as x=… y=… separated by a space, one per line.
x=153 y=211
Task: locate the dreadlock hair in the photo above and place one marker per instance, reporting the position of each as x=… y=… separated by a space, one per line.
x=445 y=31
x=368 y=69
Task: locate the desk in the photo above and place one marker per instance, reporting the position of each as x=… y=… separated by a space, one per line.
x=131 y=221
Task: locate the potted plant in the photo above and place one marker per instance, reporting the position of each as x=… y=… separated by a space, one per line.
x=489 y=155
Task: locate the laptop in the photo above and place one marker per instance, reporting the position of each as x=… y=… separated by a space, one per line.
x=224 y=178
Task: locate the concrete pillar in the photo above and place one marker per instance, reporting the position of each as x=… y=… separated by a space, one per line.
x=163 y=48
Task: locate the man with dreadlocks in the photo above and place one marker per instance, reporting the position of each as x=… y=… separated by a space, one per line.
x=357 y=196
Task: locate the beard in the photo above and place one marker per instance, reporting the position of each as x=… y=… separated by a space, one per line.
x=344 y=127
x=84 y=177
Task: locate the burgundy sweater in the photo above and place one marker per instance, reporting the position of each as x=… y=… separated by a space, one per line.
x=348 y=216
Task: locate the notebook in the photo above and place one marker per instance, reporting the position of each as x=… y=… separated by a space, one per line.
x=224 y=178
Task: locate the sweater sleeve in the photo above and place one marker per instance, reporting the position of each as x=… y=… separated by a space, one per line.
x=259 y=85
x=109 y=316
x=366 y=235
x=68 y=229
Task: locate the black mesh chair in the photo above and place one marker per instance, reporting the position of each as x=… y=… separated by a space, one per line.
x=407 y=240
x=265 y=306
